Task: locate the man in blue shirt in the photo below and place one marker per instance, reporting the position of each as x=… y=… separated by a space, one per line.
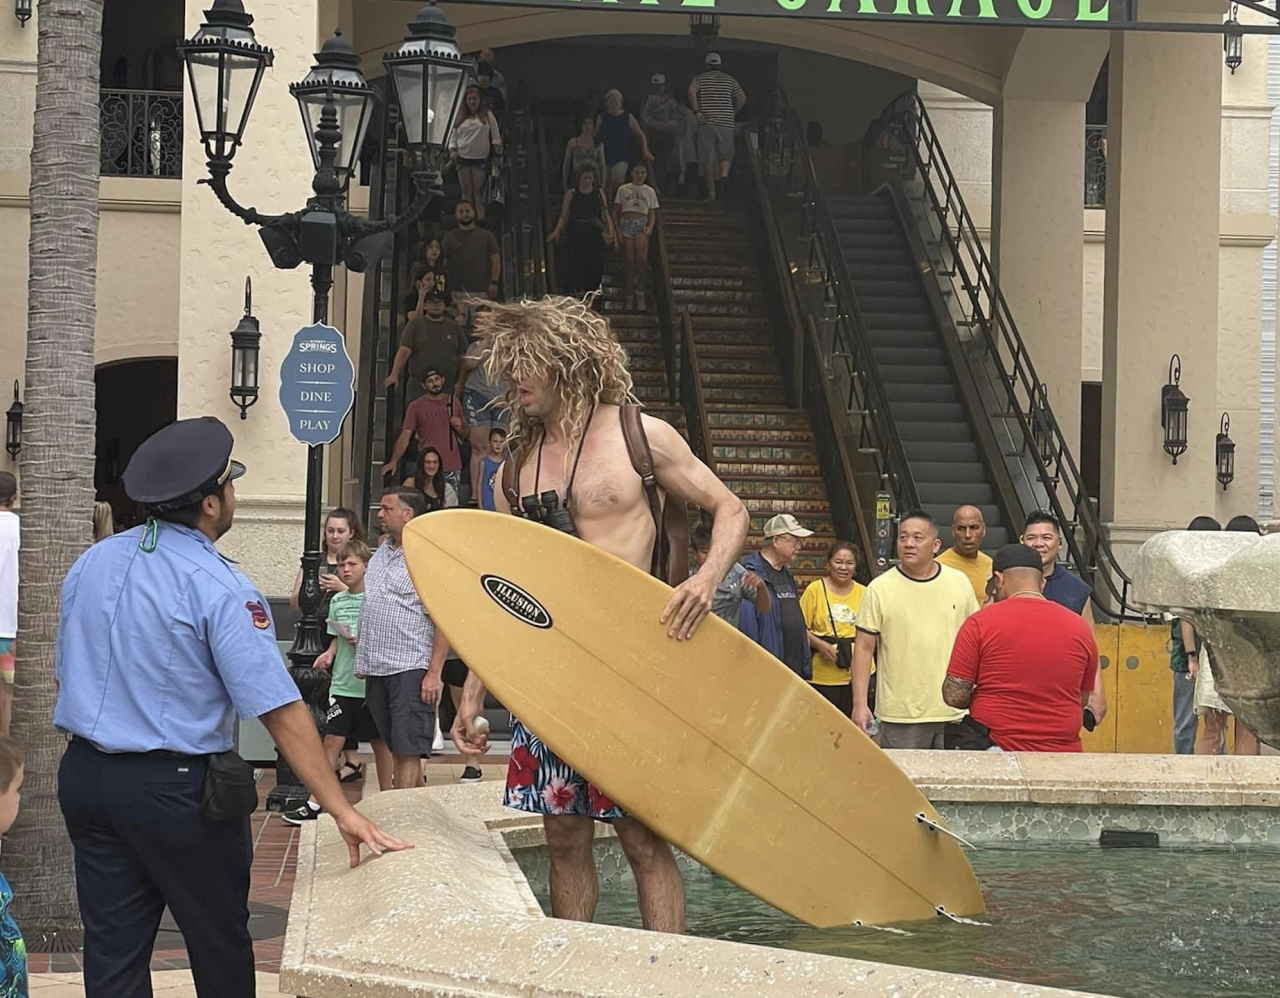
x=161 y=642
x=1043 y=534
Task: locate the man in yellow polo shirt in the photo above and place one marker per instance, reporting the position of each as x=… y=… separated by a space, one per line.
x=968 y=531
x=908 y=620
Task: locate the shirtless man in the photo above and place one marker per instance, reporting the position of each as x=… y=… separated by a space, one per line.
x=568 y=378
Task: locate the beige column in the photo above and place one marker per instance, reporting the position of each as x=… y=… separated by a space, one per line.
x=272 y=172
x=1161 y=282
x=1038 y=240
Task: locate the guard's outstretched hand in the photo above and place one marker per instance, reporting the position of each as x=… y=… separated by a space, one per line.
x=357 y=830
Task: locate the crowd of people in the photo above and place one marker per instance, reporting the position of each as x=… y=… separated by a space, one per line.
x=616 y=163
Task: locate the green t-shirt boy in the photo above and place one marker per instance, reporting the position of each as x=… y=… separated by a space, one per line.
x=344 y=608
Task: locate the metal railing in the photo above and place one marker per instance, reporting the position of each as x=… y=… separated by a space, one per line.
x=906 y=150
x=827 y=352
x=1095 y=166
x=697 y=426
x=530 y=219
x=664 y=303
x=541 y=192
x=825 y=292
x=141 y=133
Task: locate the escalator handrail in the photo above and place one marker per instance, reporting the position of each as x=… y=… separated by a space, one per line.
x=692 y=397
x=664 y=301
x=904 y=109
x=858 y=344
x=825 y=413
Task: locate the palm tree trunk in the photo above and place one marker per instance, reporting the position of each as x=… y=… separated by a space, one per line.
x=57 y=440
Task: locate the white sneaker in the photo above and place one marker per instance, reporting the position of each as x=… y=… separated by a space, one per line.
x=437 y=743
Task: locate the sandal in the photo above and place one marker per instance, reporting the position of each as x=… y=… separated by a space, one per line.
x=357 y=772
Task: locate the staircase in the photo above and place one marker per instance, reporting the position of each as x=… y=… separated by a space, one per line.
x=924 y=398
x=762 y=447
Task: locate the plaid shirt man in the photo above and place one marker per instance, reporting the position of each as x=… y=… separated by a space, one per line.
x=396 y=634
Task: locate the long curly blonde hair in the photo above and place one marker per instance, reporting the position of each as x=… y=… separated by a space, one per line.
x=565 y=343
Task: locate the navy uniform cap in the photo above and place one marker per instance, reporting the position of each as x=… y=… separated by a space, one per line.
x=181 y=464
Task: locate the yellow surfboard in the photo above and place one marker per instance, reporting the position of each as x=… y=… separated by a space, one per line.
x=712 y=742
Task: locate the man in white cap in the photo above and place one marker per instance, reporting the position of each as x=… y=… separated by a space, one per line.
x=716 y=98
x=780 y=630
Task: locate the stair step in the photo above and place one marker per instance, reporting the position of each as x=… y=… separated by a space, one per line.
x=908 y=304
x=949 y=472
x=877 y=322
x=754 y=491
x=819 y=523
x=913 y=375
x=747 y=453
x=777 y=469
x=905 y=356
x=921 y=391
x=738 y=437
x=949 y=433
x=955 y=493
x=932 y=412
x=849 y=206
x=878 y=225
x=728 y=379
x=932 y=450
x=914 y=339
x=787 y=419
x=875 y=286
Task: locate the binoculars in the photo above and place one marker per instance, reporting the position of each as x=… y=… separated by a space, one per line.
x=546 y=509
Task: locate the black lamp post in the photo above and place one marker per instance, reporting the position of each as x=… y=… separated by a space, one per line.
x=1225 y=452
x=244 y=355
x=13 y=424
x=1173 y=411
x=225 y=64
x=1233 y=42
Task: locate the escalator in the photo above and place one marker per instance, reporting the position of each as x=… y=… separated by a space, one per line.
x=920 y=382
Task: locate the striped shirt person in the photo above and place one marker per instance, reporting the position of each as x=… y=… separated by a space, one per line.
x=716 y=98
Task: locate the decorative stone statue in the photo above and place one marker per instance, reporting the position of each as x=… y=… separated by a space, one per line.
x=1228 y=586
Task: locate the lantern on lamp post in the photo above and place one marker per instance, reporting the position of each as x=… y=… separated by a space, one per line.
x=244 y=355
x=13 y=424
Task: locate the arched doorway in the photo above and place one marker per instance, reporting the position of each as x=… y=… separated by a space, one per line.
x=134 y=398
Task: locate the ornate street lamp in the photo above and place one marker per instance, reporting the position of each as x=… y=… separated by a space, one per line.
x=335 y=80
x=13 y=424
x=1173 y=411
x=429 y=76
x=225 y=64
x=244 y=355
x=22 y=11
x=1233 y=41
x=1225 y=452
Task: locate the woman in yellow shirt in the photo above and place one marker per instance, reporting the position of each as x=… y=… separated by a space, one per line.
x=830 y=608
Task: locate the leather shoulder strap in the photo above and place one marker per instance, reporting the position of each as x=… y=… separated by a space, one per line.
x=670 y=561
x=511 y=483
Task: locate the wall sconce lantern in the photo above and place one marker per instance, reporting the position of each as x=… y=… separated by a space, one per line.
x=1225 y=450
x=13 y=424
x=1173 y=411
x=22 y=11
x=1233 y=42
x=244 y=356
x=705 y=29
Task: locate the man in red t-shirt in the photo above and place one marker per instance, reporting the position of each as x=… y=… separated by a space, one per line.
x=1024 y=666
x=437 y=420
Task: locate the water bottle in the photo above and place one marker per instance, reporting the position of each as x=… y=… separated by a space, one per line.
x=873 y=728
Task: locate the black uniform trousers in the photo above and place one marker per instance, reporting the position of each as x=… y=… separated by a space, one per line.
x=141 y=843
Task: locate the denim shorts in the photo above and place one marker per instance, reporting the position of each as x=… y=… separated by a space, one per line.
x=481 y=413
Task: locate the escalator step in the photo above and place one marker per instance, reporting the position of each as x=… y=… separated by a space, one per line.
x=898 y=320
x=930 y=450
x=956 y=493
x=941 y=511
x=929 y=412
x=902 y=356
x=911 y=304
x=958 y=472
x=934 y=433
x=915 y=374
x=921 y=391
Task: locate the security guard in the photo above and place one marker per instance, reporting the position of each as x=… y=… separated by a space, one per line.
x=161 y=641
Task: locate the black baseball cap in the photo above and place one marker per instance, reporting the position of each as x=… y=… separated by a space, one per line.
x=1016 y=556
x=182 y=463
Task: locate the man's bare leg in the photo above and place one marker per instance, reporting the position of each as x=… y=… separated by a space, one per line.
x=408 y=771
x=575 y=887
x=384 y=764
x=658 y=880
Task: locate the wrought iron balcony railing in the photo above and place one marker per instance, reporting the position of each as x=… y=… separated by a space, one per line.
x=141 y=133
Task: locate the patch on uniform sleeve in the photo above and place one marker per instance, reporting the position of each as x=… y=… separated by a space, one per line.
x=259 y=614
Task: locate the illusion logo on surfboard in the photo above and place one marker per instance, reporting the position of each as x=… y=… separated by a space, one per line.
x=516 y=601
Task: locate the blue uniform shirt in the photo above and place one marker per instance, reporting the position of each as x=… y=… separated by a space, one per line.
x=157 y=649
x=1067 y=590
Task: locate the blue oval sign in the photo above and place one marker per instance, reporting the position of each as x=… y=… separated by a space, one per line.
x=317 y=385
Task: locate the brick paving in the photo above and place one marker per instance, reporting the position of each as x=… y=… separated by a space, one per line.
x=275 y=857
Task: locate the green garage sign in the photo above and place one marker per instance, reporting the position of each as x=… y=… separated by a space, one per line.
x=1057 y=13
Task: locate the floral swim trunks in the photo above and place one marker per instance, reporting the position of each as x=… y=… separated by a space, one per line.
x=540 y=782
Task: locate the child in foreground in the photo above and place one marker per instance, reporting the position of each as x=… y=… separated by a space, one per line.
x=13 y=948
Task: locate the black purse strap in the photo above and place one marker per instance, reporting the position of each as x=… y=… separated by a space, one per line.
x=835 y=631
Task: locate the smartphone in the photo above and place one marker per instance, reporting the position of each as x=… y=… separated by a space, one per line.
x=1090 y=722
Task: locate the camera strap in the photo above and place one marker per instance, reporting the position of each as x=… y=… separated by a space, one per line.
x=537 y=468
